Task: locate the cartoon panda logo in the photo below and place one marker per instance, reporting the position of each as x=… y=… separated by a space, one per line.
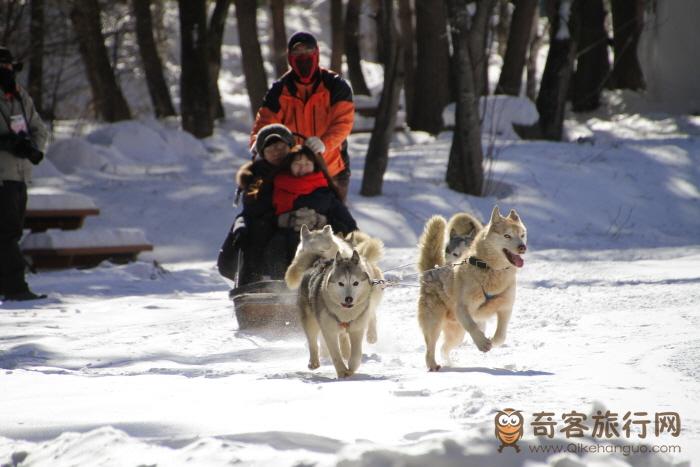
x=509 y=428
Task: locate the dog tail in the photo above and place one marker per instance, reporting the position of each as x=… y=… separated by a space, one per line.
x=432 y=244
x=371 y=249
x=295 y=272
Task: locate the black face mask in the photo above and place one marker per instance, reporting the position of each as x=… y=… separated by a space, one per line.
x=7 y=80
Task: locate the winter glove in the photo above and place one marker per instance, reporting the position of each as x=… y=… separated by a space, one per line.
x=321 y=221
x=9 y=142
x=26 y=149
x=303 y=216
x=315 y=144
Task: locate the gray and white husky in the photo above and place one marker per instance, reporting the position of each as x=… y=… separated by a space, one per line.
x=337 y=297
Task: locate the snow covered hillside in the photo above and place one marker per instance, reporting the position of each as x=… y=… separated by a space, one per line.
x=143 y=364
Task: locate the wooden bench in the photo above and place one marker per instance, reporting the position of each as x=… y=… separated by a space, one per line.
x=57 y=210
x=39 y=220
x=89 y=257
x=60 y=250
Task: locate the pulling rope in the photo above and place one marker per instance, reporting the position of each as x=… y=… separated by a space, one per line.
x=383 y=283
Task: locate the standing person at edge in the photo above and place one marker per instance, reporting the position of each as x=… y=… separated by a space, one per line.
x=315 y=103
x=22 y=140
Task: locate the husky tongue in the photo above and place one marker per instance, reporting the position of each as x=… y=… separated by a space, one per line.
x=515 y=259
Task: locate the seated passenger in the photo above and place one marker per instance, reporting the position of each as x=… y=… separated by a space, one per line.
x=255 y=225
x=303 y=182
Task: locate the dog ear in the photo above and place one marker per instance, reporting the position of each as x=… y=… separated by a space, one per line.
x=355 y=257
x=495 y=215
x=338 y=257
x=305 y=231
x=327 y=229
x=514 y=215
x=453 y=233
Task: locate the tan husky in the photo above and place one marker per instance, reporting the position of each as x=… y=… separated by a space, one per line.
x=455 y=299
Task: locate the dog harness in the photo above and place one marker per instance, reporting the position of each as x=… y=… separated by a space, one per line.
x=481 y=264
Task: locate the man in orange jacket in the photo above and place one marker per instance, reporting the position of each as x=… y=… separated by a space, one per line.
x=316 y=104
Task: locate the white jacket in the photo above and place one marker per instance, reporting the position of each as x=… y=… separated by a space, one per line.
x=11 y=166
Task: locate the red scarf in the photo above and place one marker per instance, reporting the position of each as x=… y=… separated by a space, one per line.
x=287 y=188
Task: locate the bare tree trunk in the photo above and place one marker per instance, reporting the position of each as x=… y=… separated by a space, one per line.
x=385 y=121
x=478 y=34
x=337 y=36
x=35 y=83
x=551 y=101
x=432 y=82
x=11 y=12
x=253 y=68
x=511 y=77
x=279 y=37
x=592 y=64
x=408 y=46
x=106 y=93
x=628 y=20
x=465 y=172
x=504 y=25
x=352 y=48
x=195 y=91
x=535 y=44
x=217 y=24
x=153 y=67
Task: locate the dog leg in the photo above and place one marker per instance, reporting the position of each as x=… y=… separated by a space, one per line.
x=453 y=335
x=430 y=319
x=374 y=300
x=372 y=328
x=503 y=316
x=344 y=345
x=311 y=330
x=331 y=337
x=356 y=350
x=465 y=318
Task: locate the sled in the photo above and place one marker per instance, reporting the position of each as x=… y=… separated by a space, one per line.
x=265 y=304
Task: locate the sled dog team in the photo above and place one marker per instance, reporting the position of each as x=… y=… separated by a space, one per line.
x=467 y=275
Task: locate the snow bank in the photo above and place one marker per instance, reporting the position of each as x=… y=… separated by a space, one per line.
x=127 y=145
x=70 y=155
x=498 y=114
x=83 y=238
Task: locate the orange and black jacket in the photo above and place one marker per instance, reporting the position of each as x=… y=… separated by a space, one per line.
x=327 y=112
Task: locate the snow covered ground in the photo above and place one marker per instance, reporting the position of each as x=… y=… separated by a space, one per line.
x=143 y=364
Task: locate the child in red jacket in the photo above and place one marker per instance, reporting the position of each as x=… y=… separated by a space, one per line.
x=303 y=182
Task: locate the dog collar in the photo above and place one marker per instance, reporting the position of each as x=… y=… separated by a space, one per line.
x=345 y=324
x=474 y=261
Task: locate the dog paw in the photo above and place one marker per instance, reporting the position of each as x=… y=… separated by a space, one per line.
x=434 y=368
x=371 y=336
x=484 y=344
x=314 y=365
x=345 y=373
x=497 y=341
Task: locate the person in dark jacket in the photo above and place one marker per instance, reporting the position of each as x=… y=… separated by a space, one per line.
x=256 y=224
x=303 y=182
x=23 y=138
